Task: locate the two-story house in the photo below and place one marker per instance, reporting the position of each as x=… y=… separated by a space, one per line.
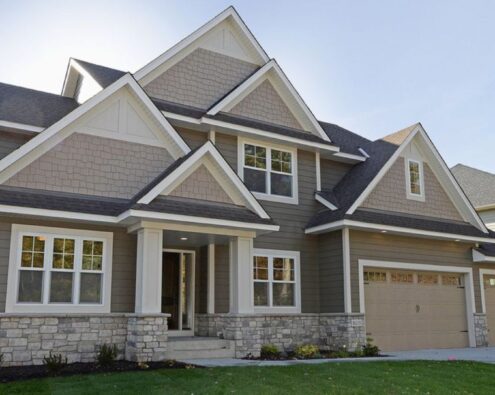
x=200 y=197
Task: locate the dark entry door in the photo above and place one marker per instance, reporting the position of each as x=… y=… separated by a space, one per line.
x=170 y=288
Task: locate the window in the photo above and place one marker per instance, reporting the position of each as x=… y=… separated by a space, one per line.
x=276 y=280
x=428 y=279
x=372 y=276
x=269 y=172
x=400 y=277
x=452 y=279
x=59 y=270
x=414 y=179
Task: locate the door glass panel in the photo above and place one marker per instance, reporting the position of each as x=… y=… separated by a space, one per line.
x=186 y=291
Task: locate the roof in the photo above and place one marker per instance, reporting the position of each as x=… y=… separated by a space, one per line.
x=103 y=75
x=345 y=139
x=478 y=185
x=32 y=107
x=486 y=249
x=402 y=220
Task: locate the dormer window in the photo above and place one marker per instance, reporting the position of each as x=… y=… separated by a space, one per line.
x=414 y=179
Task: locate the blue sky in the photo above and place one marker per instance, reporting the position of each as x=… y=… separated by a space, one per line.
x=371 y=66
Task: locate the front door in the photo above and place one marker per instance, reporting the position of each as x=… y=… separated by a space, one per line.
x=178 y=291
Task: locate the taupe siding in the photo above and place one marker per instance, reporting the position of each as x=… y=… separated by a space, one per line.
x=331 y=272
x=390 y=194
x=202 y=185
x=332 y=172
x=200 y=79
x=123 y=267
x=94 y=166
x=222 y=290
x=292 y=220
x=265 y=104
x=377 y=246
x=10 y=142
x=193 y=138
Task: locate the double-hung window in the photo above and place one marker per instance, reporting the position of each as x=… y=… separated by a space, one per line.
x=269 y=172
x=276 y=281
x=59 y=270
x=414 y=179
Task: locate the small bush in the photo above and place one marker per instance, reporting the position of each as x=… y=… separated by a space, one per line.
x=269 y=351
x=1 y=358
x=369 y=349
x=107 y=355
x=342 y=353
x=307 y=351
x=54 y=363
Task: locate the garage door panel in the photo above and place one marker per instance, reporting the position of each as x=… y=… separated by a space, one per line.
x=415 y=310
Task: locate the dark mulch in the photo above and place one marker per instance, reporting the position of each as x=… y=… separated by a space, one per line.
x=15 y=373
x=291 y=356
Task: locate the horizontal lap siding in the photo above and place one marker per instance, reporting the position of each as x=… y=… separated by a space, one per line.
x=123 y=267
x=332 y=172
x=392 y=248
x=222 y=291
x=331 y=272
x=193 y=138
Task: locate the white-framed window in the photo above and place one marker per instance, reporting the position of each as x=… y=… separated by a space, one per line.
x=59 y=270
x=269 y=171
x=276 y=281
x=415 y=179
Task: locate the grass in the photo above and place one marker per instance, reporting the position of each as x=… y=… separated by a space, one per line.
x=417 y=377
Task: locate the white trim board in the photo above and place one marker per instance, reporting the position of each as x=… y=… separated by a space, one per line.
x=20 y=127
x=393 y=229
x=178 y=175
x=480 y=257
x=482 y=273
x=60 y=130
x=440 y=170
x=178 y=51
x=346 y=260
x=469 y=285
x=271 y=71
x=325 y=202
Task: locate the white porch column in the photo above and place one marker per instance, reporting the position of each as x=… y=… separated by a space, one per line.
x=241 y=284
x=149 y=271
x=210 y=308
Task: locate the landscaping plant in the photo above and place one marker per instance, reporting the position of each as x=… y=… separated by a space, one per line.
x=270 y=351
x=307 y=351
x=54 y=363
x=107 y=355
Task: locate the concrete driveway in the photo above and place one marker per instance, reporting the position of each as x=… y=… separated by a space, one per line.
x=484 y=354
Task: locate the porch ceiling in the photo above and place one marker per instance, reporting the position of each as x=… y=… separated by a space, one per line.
x=180 y=239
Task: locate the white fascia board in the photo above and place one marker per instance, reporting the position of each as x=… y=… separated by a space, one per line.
x=394 y=229
x=359 y=201
x=351 y=157
x=480 y=257
x=196 y=220
x=325 y=202
x=51 y=131
x=208 y=147
x=275 y=136
x=181 y=45
x=20 y=126
x=453 y=181
x=241 y=90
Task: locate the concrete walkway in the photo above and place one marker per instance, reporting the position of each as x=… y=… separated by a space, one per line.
x=485 y=354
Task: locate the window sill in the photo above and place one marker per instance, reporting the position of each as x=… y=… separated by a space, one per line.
x=275 y=198
x=277 y=310
x=58 y=308
x=417 y=198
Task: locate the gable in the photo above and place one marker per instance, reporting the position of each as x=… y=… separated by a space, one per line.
x=200 y=79
x=92 y=165
x=265 y=104
x=390 y=194
x=201 y=184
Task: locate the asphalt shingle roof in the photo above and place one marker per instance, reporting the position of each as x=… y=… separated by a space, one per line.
x=103 y=75
x=478 y=185
x=32 y=107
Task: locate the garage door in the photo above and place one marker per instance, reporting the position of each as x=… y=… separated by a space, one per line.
x=489 y=282
x=415 y=310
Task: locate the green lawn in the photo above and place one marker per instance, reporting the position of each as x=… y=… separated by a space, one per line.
x=348 y=378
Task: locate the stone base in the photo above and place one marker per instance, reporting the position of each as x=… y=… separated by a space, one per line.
x=251 y=331
x=27 y=339
x=481 y=330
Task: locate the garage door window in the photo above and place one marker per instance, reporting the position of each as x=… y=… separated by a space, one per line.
x=398 y=277
x=454 y=281
x=428 y=279
x=489 y=282
x=373 y=276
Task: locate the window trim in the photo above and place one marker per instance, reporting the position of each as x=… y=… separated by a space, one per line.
x=409 y=193
x=294 y=199
x=296 y=309
x=18 y=231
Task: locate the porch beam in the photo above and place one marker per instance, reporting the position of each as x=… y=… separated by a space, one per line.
x=210 y=308
x=149 y=271
x=241 y=290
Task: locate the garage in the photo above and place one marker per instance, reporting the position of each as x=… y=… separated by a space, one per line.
x=409 y=310
x=489 y=286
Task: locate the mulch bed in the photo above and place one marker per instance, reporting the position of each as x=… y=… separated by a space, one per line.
x=290 y=356
x=15 y=373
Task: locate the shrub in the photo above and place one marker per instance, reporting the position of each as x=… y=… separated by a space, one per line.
x=307 y=351
x=269 y=351
x=54 y=363
x=107 y=355
x=1 y=358
x=369 y=349
x=342 y=353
